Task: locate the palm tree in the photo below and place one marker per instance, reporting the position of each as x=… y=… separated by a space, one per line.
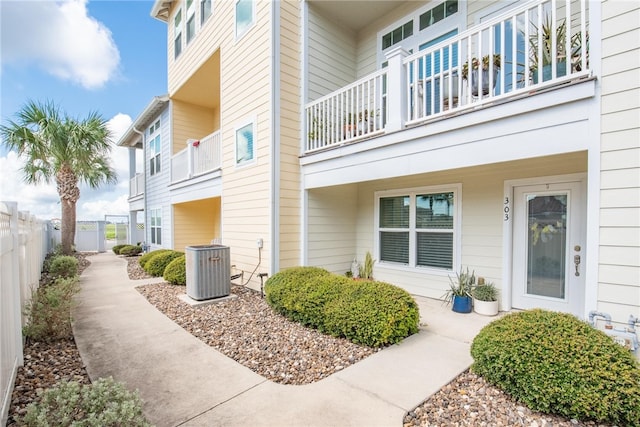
x=59 y=148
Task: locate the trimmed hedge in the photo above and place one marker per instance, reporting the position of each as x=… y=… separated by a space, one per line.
x=365 y=312
x=156 y=265
x=146 y=257
x=176 y=271
x=130 y=250
x=116 y=249
x=373 y=313
x=556 y=363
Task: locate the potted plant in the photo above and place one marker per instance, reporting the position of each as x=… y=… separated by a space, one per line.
x=485 y=298
x=459 y=293
x=545 y=60
x=475 y=65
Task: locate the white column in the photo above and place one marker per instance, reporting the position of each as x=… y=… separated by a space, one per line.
x=396 y=90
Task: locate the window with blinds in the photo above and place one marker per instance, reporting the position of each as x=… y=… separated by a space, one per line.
x=417 y=229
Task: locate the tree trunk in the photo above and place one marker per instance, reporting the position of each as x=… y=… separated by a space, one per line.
x=67 y=184
x=67 y=226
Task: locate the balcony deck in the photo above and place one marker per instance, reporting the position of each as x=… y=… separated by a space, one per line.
x=491 y=63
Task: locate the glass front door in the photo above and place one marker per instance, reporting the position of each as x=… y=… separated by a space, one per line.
x=548 y=247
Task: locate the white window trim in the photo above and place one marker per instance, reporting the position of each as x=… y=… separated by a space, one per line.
x=152 y=227
x=191 y=12
x=456 y=188
x=235 y=19
x=199 y=12
x=254 y=129
x=151 y=138
x=179 y=30
x=422 y=36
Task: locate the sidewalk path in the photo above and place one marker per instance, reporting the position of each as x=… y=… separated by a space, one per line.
x=184 y=382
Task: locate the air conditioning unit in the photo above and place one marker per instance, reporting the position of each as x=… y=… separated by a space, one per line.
x=208 y=269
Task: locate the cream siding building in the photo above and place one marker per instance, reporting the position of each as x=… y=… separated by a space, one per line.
x=341 y=130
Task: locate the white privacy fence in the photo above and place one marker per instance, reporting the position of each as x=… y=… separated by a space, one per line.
x=24 y=243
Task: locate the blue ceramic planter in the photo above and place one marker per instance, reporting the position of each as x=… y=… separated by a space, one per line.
x=461 y=304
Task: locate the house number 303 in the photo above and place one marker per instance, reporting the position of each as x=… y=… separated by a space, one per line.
x=506 y=209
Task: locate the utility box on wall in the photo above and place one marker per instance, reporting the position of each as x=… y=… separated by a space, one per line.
x=208 y=269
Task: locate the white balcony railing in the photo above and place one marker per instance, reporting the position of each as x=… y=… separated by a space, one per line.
x=438 y=80
x=200 y=157
x=136 y=185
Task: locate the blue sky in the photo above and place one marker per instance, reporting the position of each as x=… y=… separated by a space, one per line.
x=107 y=56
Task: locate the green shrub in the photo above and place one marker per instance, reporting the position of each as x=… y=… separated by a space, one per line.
x=365 y=312
x=146 y=257
x=281 y=289
x=104 y=403
x=555 y=363
x=48 y=311
x=130 y=250
x=176 y=271
x=156 y=265
x=373 y=313
x=116 y=249
x=63 y=266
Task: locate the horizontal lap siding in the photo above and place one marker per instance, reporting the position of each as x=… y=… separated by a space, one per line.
x=156 y=194
x=190 y=122
x=290 y=72
x=196 y=223
x=482 y=198
x=332 y=54
x=245 y=94
x=619 y=270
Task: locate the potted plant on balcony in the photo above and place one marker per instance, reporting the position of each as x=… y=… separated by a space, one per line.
x=459 y=293
x=543 y=57
x=475 y=65
x=485 y=298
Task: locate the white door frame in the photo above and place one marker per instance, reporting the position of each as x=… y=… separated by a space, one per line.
x=507 y=217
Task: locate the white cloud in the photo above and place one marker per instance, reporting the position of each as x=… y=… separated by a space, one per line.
x=43 y=201
x=61 y=38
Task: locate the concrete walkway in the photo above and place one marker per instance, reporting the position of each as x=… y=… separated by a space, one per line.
x=184 y=382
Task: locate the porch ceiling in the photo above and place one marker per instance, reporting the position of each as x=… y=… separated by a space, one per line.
x=203 y=87
x=355 y=14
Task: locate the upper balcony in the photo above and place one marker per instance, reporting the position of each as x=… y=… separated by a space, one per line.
x=536 y=46
x=199 y=158
x=136 y=186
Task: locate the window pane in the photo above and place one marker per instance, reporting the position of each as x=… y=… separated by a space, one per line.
x=178 y=46
x=151 y=167
x=177 y=20
x=244 y=15
x=191 y=28
x=244 y=144
x=386 y=41
x=394 y=212
x=408 y=29
x=397 y=35
x=205 y=10
x=434 y=211
x=158 y=163
x=394 y=246
x=435 y=250
x=159 y=239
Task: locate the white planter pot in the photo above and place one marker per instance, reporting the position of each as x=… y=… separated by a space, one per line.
x=486 y=308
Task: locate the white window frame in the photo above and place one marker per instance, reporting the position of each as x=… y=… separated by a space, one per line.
x=155 y=214
x=412 y=44
x=456 y=189
x=190 y=14
x=240 y=34
x=204 y=18
x=155 y=153
x=177 y=32
x=254 y=154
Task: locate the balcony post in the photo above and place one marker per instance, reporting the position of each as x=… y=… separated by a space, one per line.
x=396 y=90
x=190 y=157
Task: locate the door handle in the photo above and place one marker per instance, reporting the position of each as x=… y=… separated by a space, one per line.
x=576 y=261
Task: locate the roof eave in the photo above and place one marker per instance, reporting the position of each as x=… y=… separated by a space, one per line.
x=131 y=136
x=160 y=10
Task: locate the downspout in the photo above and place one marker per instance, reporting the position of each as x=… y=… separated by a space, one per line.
x=144 y=196
x=275 y=138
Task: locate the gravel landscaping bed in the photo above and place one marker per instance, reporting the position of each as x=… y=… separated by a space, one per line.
x=245 y=329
